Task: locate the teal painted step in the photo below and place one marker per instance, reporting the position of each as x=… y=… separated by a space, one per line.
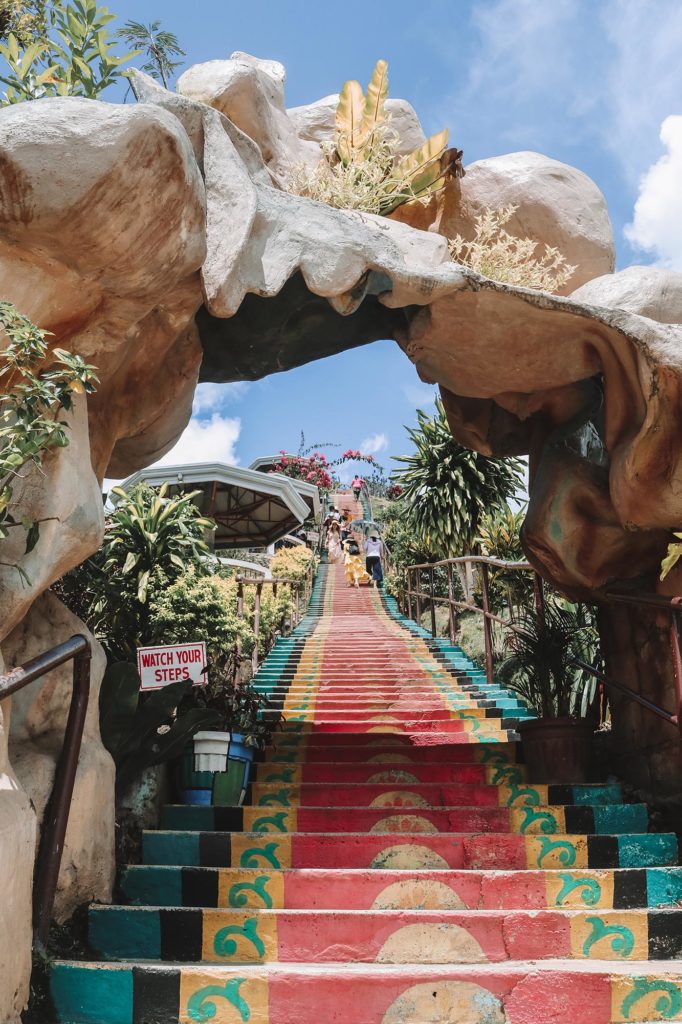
x=191 y=848
x=172 y=886
x=617 y=819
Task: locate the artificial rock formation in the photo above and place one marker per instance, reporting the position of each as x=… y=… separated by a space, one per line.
x=158 y=241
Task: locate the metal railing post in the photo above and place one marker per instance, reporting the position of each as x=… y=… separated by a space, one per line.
x=487 y=625
x=677 y=657
x=56 y=816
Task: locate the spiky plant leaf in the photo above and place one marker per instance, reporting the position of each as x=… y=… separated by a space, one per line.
x=373 y=112
x=349 y=120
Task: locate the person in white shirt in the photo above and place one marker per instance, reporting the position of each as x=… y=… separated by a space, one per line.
x=374 y=551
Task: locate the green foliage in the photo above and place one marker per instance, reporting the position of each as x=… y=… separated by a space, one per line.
x=158 y=46
x=361 y=169
x=499 y=536
x=150 y=540
x=541 y=664
x=292 y=563
x=672 y=557
x=75 y=56
x=199 y=607
x=33 y=398
x=26 y=19
x=236 y=704
x=447 y=489
x=142 y=730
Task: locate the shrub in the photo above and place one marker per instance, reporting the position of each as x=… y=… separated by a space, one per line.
x=198 y=607
x=495 y=253
x=292 y=563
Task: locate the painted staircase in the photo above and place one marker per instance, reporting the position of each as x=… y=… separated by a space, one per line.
x=392 y=866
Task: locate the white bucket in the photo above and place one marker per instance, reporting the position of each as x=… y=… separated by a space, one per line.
x=210 y=751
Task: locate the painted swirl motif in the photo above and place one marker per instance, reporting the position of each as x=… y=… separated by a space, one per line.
x=622 y=940
x=591 y=889
x=566 y=851
x=201 y=1004
x=239 y=894
x=280 y=798
x=226 y=941
x=277 y=821
x=547 y=822
x=668 y=1005
x=268 y=853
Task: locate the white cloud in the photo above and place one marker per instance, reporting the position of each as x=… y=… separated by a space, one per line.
x=657 y=221
x=209 y=396
x=206 y=440
x=420 y=396
x=374 y=444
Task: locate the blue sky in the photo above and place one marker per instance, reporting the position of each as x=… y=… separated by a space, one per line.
x=589 y=82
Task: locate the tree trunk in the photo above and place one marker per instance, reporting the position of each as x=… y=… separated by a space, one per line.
x=646 y=750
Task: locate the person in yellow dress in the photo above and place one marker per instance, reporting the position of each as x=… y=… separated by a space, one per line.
x=353 y=563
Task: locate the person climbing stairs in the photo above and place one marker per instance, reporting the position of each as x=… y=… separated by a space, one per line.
x=392 y=864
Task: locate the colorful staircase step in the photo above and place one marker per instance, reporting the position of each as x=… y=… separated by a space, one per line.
x=510 y=993
x=338 y=888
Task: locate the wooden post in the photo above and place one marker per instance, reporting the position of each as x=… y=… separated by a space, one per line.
x=487 y=625
x=418 y=596
x=408 y=591
x=433 y=604
x=451 y=608
x=240 y=615
x=256 y=627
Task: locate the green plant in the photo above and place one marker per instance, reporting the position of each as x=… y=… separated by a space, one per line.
x=499 y=536
x=495 y=253
x=292 y=563
x=74 y=57
x=26 y=19
x=672 y=557
x=149 y=541
x=447 y=488
x=197 y=606
x=541 y=664
x=32 y=401
x=236 y=704
x=157 y=45
x=143 y=730
x=361 y=169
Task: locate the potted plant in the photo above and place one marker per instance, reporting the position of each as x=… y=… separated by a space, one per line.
x=541 y=667
x=215 y=766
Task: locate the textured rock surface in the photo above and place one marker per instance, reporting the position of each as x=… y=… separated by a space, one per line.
x=39 y=713
x=314 y=122
x=17 y=850
x=650 y=291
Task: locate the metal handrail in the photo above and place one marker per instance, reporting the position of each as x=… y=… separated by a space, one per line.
x=56 y=817
x=610 y=595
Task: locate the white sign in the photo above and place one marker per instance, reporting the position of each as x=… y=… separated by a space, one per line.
x=159 y=666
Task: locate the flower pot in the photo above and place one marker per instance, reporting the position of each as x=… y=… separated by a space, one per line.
x=557 y=750
x=225 y=785
x=210 y=751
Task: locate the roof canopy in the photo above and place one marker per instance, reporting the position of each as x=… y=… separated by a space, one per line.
x=251 y=509
x=309 y=492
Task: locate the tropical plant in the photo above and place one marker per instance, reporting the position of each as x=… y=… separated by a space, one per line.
x=541 y=664
x=158 y=46
x=74 y=57
x=38 y=386
x=25 y=19
x=150 y=539
x=317 y=468
x=361 y=169
x=499 y=536
x=142 y=730
x=447 y=488
x=195 y=607
x=236 y=705
x=292 y=563
x=495 y=253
